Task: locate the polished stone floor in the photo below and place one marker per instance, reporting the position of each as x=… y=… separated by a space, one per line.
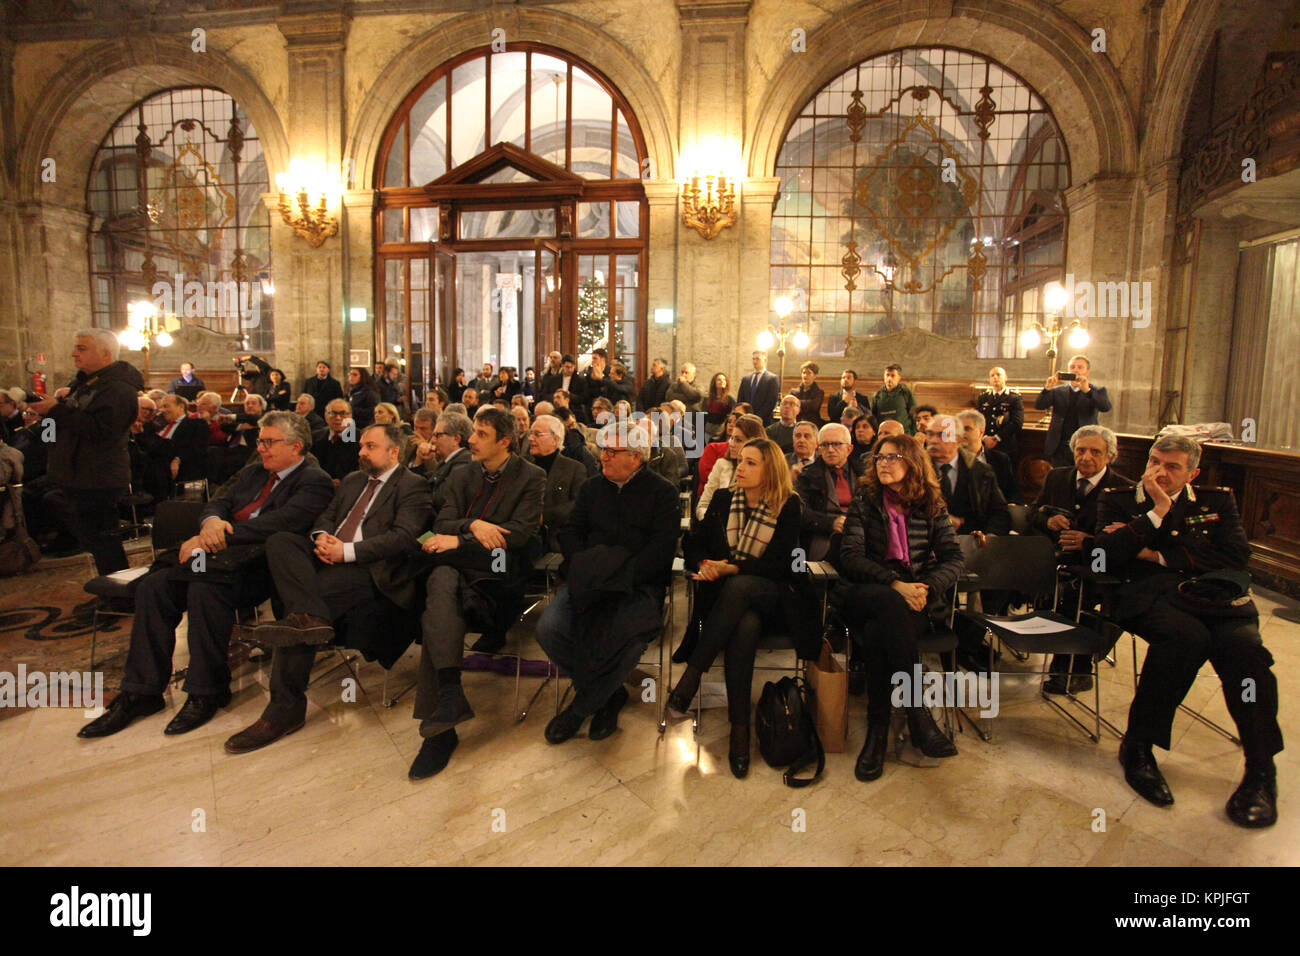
x=336 y=792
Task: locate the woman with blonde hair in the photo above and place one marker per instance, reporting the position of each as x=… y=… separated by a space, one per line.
x=741 y=557
x=746 y=427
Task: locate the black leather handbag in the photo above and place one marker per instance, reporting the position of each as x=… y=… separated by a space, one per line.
x=787 y=735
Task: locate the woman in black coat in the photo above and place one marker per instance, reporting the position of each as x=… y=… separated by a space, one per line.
x=363 y=396
x=742 y=558
x=717 y=407
x=279 y=395
x=901 y=557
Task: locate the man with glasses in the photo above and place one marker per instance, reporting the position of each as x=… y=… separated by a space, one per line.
x=826 y=488
x=618 y=547
x=564 y=476
x=361 y=547
x=337 y=451
x=451 y=446
x=214 y=575
x=804 y=442
x=489 y=521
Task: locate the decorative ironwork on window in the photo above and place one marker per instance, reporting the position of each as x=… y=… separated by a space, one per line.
x=920 y=189
x=175 y=193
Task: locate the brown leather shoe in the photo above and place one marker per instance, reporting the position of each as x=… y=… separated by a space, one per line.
x=262 y=733
x=292 y=630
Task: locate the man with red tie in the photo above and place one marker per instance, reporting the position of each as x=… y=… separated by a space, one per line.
x=362 y=546
x=826 y=488
x=219 y=571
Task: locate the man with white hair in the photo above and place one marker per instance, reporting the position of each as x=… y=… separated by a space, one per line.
x=89 y=462
x=826 y=488
x=306 y=407
x=618 y=547
x=972 y=434
x=564 y=476
x=12 y=402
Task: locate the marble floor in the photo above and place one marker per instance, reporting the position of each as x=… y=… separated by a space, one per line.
x=336 y=792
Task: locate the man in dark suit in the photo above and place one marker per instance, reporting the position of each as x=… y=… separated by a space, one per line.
x=337 y=450
x=364 y=545
x=217 y=572
x=1073 y=404
x=826 y=488
x=451 y=441
x=760 y=388
x=847 y=397
x=804 y=441
x=1004 y=415
x=654 y=390
x=972 y=432
x=564 y=476
x=491 y=517
x=323 y=387
x=623 y=528
x=306 y=407
x=187 y=384
x=175 y=448
x=1172 y=543
x=1066 y=511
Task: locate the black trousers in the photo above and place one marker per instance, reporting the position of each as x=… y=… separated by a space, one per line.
x=306 y=586
x=890 y=630
x=1179 y=643
x=443 y=626
x=212 y=608
x=734 y=625
x=90 y=516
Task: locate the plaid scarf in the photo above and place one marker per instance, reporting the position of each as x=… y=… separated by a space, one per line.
x=748 y=537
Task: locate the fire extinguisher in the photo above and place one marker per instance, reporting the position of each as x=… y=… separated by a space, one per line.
x=38 y=383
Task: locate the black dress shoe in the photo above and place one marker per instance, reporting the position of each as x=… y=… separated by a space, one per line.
x=433 y=756
x=563 y=726
x=261 y=734
x=1254 y=803
x=1056 y=684
x=1080 y=683
x=857 y=677
x=679 y=705
x=452 y=708
x=738 y=751
x=197 y=710
x=926 y=735
x=125 y=708
x=871 y=762
x=605 y=721
x=1142 y=774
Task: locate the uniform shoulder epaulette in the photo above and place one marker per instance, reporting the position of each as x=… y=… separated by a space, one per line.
x=1212 y=488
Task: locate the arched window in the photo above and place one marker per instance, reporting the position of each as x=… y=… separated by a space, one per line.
x=177 y=219
x=921 y=188
x=511 y=218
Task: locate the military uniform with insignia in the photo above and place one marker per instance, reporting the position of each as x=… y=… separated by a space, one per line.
x=1004 y=417
x=1199 y=540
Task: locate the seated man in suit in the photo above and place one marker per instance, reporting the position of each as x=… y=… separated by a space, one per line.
x=804 y=442
x=451 y=441
x=782 y=430
x=847 y=397
x=826 y=488
x=1066 y=511
x=1073 y=403
x=1160 y=537
x=564 y=476
x=972 y=425
x=618 y=547
x=337 y=450
x=975 y=507
x=364 y=545
x=175 y=448
x=306 y=407
x=219 y=571
x=418 y=450
x=489 y=521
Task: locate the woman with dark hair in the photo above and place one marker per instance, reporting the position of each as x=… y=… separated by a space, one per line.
x=363 y=396
x=863 y=430
x=437 y=399
x=458 y=385
x=717 y=406
x=279 y=396
x=809 y=393
x=741 y=558
x=506 y=387
x=899 y=558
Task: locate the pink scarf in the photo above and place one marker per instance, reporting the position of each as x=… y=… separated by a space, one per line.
x=895 y=529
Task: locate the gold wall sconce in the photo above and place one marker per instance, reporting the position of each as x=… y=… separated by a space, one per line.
x=305 y=197
x=710 y=208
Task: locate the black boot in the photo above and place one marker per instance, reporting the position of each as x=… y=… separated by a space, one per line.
x=871 y=762
x=926 y=735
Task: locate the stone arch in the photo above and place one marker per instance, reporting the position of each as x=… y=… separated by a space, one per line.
x=92 y=91
x=536 y=24
x=1046 y=49
x=1163 y=137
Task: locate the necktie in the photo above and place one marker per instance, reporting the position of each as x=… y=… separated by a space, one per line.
x=946 y=469
x=753 y=385
x=246 y=512
x=352 y=522
x=1081 y=490
x=842 y=490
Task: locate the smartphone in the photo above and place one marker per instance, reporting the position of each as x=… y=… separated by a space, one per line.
x=1066 y=376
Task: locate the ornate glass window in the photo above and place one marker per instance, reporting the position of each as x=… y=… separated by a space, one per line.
x=920 y=189
x=175 y=196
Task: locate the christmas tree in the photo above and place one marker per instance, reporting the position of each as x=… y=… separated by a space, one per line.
x=593 y=314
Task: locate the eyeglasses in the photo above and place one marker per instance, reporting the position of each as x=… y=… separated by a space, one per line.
x=615 y=451
x=439 y=434
x=888 y=459
x=336 y=414
x=266 y=443
x=833 y=444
